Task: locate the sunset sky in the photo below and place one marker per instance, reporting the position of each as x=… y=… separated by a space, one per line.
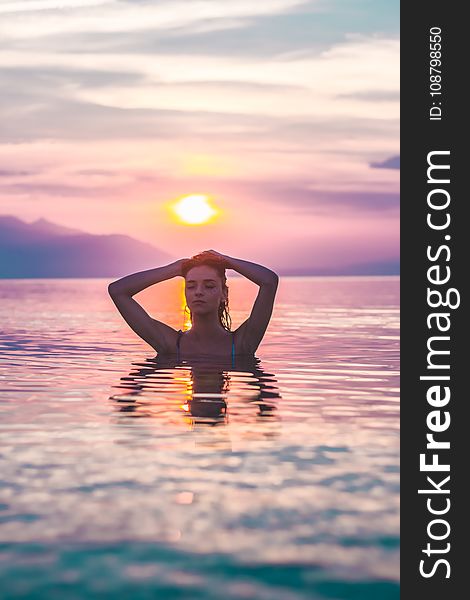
x=284 y=112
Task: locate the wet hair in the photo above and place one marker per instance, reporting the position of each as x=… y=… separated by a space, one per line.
x=218 y=264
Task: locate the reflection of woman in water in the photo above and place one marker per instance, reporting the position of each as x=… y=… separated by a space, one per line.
x=207 y=298
x=203 y=390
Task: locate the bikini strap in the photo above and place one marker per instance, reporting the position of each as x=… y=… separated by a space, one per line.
x=233 y=348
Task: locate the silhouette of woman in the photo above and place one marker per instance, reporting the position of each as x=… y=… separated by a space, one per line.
x=206 y=294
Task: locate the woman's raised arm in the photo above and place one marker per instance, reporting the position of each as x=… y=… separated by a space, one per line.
x=132 y=284
x=160 y=336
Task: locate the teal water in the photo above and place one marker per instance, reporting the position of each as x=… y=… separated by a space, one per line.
x=125 y=476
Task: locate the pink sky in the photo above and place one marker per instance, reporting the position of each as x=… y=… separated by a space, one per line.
x=113 y=109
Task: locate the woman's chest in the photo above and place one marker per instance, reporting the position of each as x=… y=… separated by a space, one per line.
x=224 y=347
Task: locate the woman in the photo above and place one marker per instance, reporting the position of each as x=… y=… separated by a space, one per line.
x=207 y=298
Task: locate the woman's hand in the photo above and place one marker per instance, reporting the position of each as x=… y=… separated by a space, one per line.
x=181 y=262
x=223 y=258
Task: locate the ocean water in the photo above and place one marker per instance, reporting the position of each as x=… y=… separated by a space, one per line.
x=122 y=475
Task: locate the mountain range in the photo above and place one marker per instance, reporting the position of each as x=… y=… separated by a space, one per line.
x=44 y=249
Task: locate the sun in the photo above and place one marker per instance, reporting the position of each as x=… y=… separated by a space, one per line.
x=195 y=209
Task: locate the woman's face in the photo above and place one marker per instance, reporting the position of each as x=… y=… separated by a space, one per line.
x=204 y=290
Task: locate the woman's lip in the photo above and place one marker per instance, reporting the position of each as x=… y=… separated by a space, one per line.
x=199 y=301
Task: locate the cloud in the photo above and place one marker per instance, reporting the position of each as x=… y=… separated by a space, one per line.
x=196 y=72
x=277 y=89
x=16 y=173
x=63 y=119
x=53 y=80
x=27 y=6
x=41 y=103
x=51 y=190
x=113 y=16
x=257 y=36
x=300 y=199
x=213 y=82
x=373 y=96
x=390 y=163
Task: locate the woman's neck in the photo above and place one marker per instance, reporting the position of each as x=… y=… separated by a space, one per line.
x=206 y=326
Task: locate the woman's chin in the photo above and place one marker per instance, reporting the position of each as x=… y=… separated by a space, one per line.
x=200 y=309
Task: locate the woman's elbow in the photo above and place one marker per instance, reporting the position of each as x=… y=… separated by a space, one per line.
x=113 y=288
x=272 y=280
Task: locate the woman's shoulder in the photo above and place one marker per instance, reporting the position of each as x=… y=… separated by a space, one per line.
x=167 y=337
x=240 y=341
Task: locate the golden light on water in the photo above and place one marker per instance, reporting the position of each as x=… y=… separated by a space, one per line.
x=195 y=209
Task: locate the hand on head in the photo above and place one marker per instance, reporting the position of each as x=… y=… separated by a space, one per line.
x=212 y=254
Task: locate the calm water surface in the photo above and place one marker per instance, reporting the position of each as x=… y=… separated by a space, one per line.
x=122 y=475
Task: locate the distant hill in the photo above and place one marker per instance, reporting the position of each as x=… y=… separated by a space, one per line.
x=45 y=249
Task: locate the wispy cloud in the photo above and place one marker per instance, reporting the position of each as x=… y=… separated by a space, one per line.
x=8 y=173
x=28 y=6
x=389 y=163
x=115 y=16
